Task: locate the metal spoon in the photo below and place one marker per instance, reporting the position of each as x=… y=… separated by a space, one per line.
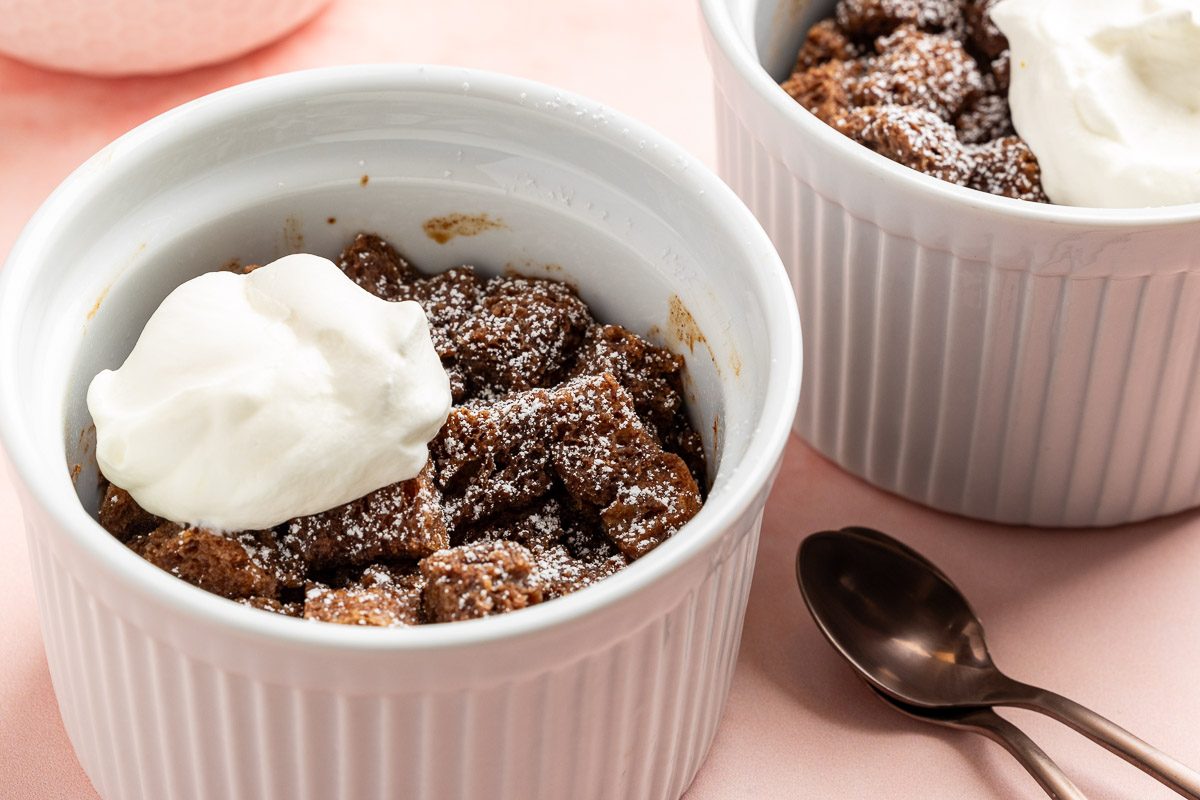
x=909 y=631
x=985 y=722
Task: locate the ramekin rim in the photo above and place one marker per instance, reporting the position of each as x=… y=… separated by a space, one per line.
x=751 y=476
x=717 y=19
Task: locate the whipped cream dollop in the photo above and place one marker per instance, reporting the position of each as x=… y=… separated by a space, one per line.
x=251 y=399
x=1107 y=95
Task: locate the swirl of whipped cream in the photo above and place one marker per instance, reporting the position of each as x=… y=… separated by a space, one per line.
x=252 y=399
x=1107 y=95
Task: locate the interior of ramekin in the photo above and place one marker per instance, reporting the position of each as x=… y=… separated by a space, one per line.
x=761 y=39
x=303 y=161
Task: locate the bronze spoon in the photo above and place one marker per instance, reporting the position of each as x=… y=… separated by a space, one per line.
x=912 y=635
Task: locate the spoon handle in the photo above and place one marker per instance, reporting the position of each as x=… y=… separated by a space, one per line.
x=1033 y=758
x=1112 y=737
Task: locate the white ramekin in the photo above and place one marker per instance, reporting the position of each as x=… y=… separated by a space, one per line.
x=1006 y=360
x=614 y=692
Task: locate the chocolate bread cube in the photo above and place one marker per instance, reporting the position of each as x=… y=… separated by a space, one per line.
x=608 y=460
x=493 y=458
x=479 y=580
x=375 y=265
x=522 y=335
x=121 y=516
x=212 y=561
x=382 y=597
x=398 y=521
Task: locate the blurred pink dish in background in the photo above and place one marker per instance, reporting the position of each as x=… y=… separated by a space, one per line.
x=140 y=37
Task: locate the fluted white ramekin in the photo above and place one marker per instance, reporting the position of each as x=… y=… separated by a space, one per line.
x=613 y=692
x=1006 y=360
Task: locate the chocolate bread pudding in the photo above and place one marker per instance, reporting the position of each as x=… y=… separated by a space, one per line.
x=923 y=82
x=567 y=455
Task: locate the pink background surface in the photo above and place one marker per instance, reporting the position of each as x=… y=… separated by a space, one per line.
x=1109 y=617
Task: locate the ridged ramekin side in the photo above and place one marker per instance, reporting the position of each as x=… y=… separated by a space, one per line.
x=631 y=719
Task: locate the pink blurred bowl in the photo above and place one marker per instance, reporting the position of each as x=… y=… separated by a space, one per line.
x=141 y=37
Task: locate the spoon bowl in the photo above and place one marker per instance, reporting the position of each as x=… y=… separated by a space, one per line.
x=896 y=617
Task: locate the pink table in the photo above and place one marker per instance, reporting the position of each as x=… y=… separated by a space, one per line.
x=1109 y=617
